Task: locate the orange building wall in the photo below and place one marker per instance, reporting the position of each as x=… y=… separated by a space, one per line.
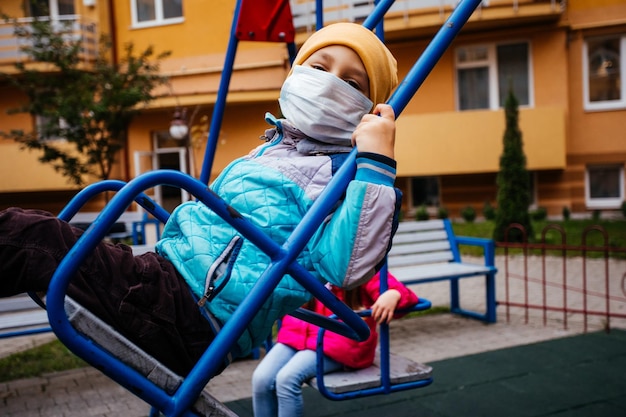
x=593 y=136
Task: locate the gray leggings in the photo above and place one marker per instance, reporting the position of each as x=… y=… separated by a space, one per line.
x=143 y=297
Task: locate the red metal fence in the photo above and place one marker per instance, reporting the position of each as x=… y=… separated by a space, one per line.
x=577 y=284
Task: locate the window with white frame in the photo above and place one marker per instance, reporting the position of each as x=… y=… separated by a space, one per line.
x=52 y=8
x=485 y=74
x=604 y=186
x=604 y=72
x=156 y=12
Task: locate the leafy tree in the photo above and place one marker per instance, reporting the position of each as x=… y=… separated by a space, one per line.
x=513 y=180
x=89 y=104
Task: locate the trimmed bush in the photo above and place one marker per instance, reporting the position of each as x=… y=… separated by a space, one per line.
x=540 y=214
x=488 y=211
x=595 y=215
x=468 y=214
x=422 y=213
x=566 y=213
x=442 y=213
x=513 y=179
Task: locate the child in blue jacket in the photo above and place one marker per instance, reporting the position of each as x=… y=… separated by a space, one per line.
x=330 y=102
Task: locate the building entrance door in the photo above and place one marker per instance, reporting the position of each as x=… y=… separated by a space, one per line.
x=165 y=155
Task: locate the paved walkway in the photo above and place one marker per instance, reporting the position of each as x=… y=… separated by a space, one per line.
x=433 y=339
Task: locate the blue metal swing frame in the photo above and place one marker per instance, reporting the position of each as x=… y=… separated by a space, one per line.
x=283 y=257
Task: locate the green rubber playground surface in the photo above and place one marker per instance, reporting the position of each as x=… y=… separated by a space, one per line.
x=580 y=376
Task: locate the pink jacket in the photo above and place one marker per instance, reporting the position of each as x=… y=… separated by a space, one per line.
x=302 y=335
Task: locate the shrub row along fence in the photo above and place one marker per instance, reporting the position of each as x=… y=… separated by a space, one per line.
x=578 y=285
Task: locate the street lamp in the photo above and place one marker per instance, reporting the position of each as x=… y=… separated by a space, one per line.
x=178 y=127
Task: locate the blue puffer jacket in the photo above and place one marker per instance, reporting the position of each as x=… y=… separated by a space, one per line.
x=274 y=186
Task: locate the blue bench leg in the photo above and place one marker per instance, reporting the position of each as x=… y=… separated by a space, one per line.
x=490 y=285
x=490 y=300
x=454 y=295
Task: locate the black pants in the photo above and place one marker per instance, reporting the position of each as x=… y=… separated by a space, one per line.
x=143 y=297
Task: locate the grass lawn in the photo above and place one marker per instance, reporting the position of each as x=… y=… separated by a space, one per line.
x=49 y=357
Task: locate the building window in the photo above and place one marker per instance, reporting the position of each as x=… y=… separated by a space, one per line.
x=604 y=186
x=66 y=7
x=485 y=73
x=52 y=8
x=156 y=12
x=50 y=129
x=424 y=192
x=604 y=62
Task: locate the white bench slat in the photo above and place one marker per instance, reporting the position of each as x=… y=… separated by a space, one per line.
x=420 y=226
x=17 y=303
x=421 y=247
x=422 y=236
x=418 y=259
x=141 y=249
x=21 y=314
x=412 y=226
x=23 y=319
x=402 y=370
x=408 y=274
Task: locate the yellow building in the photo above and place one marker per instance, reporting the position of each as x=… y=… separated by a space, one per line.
x=566 y=62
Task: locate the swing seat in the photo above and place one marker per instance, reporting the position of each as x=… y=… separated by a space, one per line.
x=389 y=372
x=118 y=346
x=402 y=370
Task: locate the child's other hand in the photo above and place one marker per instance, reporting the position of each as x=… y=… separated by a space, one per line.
x=377 y=131
x=385 y=305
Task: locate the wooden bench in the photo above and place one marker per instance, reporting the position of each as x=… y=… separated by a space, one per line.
x=428 y=251
x=21 y=316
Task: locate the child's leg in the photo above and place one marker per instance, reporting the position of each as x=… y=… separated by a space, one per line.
x=142 y=297
x=31 y=247
x=290 y=378
x=264 y=401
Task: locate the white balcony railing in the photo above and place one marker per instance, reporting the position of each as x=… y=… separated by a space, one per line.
x=357 y=10
x=76 y=28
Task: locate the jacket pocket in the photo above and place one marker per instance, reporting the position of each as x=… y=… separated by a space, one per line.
x=220 y=271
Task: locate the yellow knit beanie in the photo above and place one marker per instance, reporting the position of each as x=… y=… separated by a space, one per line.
x=380 y=65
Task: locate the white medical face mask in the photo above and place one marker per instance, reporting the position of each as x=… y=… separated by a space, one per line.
x=322 y=106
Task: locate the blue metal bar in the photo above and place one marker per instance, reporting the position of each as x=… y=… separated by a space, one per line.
x=375 y=19
x=380 y=26
x=18 y=333
x=319 y=14
x=291 y=50
x=220 y=101
x=383 y=335
x=84 y=195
